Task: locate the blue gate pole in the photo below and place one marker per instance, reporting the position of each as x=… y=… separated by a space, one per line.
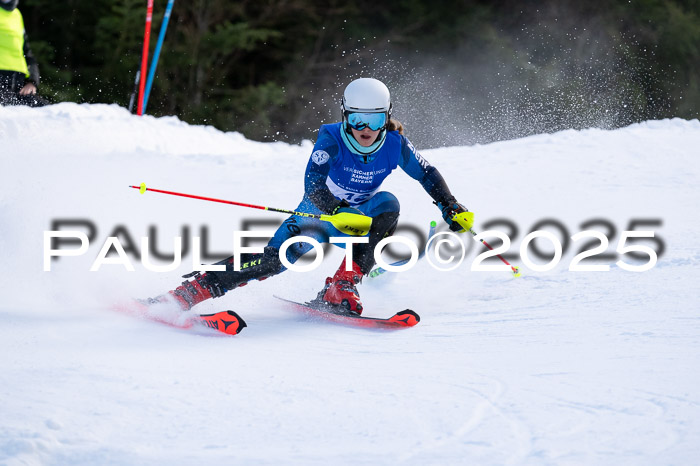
x=156 y=54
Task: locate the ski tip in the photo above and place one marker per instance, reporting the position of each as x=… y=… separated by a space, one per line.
x=241 y=323
x=228 y=322
x=406 y=318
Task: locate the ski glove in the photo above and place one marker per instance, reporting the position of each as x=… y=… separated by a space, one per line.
x=456 y=215
x=344 y=206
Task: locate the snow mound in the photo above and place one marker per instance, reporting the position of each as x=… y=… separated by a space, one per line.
x=556 y=367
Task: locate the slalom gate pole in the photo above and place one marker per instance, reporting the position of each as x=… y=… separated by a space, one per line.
x=144 y=55
x=515 y=270
x=156 y=53
x=349 y=223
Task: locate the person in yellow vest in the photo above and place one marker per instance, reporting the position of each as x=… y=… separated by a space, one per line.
x=19 y=71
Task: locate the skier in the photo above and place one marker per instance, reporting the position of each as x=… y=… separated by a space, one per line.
x=349 y=162
x=19 y=72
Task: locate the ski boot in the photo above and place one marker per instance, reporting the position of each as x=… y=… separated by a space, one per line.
x=189 y=293
x=215 y=284
x=340 y=290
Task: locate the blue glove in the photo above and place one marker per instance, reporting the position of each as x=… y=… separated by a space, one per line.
x=456 y=215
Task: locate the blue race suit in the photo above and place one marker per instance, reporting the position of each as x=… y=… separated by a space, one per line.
x=334 y=173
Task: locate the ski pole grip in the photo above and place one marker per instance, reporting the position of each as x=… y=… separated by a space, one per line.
x=465 y=220
x=349 y=223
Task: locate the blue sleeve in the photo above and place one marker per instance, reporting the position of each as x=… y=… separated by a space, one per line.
x=324 y=155
x=420 y=169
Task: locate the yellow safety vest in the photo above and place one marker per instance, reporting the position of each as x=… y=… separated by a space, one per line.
x=12 y=42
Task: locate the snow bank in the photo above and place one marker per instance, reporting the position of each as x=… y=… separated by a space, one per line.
x=556 y=367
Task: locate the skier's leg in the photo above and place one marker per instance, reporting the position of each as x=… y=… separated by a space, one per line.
x=384 y=209
x=341 y=288
x=302 y=226
x=215 y=284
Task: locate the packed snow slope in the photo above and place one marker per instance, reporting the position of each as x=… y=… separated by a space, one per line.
x=555 y=367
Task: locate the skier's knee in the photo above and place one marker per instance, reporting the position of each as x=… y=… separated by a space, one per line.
x=386 y=202
x=384 y=225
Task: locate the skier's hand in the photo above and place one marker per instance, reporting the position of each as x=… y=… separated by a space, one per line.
x=456 y=215
x=344 y=206
x=28 y=89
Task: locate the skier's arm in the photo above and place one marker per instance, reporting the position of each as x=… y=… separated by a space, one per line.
x=31 y=62
x=420 y=169
x=324 y=155
x=434 y=184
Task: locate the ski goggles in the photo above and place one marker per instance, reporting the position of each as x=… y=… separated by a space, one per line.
x=360 y=121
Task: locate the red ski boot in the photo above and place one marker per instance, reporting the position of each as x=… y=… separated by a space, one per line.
x=186 y=295
x=340 y=289
x=191 y=292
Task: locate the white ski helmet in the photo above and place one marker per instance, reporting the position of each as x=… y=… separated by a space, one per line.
x=366 y=95
x=367 y=102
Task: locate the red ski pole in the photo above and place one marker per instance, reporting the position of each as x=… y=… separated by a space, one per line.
x=352 y=224
x=462 y=220
x=144 y=55
x=515 y=270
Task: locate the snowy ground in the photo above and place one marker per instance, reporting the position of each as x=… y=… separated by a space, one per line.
x=556 y=367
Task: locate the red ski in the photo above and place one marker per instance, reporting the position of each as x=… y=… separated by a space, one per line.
x=402 y=319
x=225 y=321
